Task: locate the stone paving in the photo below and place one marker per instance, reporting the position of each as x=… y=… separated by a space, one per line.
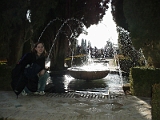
x=73 y=106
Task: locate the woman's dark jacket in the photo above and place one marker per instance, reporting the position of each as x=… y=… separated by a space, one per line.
x=27 y=77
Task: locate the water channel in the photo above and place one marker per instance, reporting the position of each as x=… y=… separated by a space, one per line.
x=107 y=86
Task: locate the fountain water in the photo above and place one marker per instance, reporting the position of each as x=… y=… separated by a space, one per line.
x=118 y=67
x=89 y=71
x=80 y=74
x=64 y=22
x=47 y=27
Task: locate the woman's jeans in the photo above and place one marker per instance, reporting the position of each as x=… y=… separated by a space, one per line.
x=41 y=83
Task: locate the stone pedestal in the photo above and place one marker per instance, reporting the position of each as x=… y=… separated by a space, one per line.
x=88 y=75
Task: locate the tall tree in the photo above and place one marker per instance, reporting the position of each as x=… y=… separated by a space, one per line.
x=14 y=28
x=126 y=47
x=143 y=20
x=118 y=14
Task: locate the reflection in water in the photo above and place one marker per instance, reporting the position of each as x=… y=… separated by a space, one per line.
x=86 y=85
x=55 y=84
x=65 y=83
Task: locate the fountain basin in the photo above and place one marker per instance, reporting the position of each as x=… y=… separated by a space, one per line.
x=87 y=75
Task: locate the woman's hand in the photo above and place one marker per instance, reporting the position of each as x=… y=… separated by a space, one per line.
x=42 y=72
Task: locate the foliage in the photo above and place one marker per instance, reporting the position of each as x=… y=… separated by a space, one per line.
x=143 y=19
x=3 y=49
x=5 y=77
x=134 y=57
x=142 y=79
x=14 y=28
x=42 y=14
x=125 y=65
x=76 y=60
x=155 y=102
x=118 y=13
x=12 y=15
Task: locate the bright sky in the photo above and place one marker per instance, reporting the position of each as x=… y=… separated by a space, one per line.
x=99 y=34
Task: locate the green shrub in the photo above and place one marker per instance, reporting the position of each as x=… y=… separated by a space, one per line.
x=76 y=60
x=155 y=102
x=142 y=79
x=5 y=77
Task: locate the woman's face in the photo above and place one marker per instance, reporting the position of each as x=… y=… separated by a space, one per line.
x=39 y=49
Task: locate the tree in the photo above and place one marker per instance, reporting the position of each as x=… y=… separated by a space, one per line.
x=143 y=20
x=126 y=47
x=118 y=14
x=14 y=28
x=132 y=57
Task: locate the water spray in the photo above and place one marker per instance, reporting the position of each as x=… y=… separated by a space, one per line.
x=118 y=66
x=65 y=22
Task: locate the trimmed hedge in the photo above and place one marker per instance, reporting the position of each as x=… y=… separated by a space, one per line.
x=5 y=77
x=76 y=60
x=155 y=102
x=142 y=79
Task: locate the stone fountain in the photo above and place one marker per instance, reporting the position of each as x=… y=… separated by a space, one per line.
x=87 y=75
x=89 y=71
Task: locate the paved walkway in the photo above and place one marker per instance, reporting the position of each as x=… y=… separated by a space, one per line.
x=73 y=106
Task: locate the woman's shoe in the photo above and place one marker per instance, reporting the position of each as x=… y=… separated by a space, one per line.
x=41 y=93
x=36 y=93
x=24 y=93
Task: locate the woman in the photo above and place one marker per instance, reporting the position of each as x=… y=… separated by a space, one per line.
x=36 y=78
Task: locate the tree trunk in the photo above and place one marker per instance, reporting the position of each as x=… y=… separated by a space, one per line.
x=152 y=54
x=19 y=43
x=57 y=60
x=16 y=48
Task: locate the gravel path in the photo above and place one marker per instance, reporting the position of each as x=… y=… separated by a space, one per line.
x=73 y=106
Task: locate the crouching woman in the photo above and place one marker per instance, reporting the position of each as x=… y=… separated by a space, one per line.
x=31 y=75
